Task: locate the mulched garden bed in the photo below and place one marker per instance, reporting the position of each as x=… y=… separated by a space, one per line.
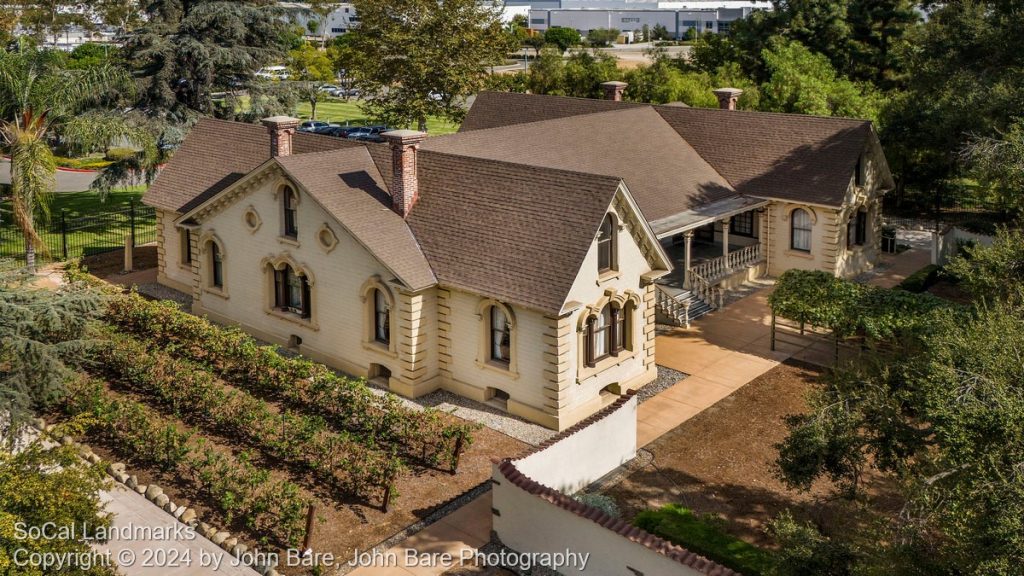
x=722 y=462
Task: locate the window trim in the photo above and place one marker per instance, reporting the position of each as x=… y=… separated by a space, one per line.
x=494 y=346
x=289 y=226
x=216 y=266
x=485 y=340
x=856 y=229
x=380 y=297
x=793 y=229
x=186 y=256
x=610 y=242
x=205 y=263
x=275 y=299
x=367 y=294
x=617 y=332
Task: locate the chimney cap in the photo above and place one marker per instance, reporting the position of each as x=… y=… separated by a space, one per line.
x=403 y=136
x=728 y=91
x=614 y=84
x=282 y=121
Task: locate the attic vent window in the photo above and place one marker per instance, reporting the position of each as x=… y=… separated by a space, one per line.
x=326 y=238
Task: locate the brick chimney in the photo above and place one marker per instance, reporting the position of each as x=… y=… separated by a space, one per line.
x=281 y=129
x=727 y=97
x=613 y=90
x=404 y=182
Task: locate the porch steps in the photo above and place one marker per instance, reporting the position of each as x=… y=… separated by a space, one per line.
x=682 y=308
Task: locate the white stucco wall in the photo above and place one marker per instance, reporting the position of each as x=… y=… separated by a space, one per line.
x=172 y=271
x=578 y=460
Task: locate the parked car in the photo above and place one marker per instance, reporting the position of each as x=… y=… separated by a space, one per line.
x=273 y=73
x=313 y=126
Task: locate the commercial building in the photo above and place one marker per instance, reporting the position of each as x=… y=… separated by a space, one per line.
x=631 y=16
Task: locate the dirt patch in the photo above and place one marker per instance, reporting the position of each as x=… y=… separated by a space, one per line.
x=722 y=461
x=109 y=264
x=951 y=291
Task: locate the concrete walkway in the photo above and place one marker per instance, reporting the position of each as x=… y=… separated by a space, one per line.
x=895 y=268
x=171 y=553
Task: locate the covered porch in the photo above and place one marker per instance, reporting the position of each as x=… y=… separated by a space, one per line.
x=711 y=247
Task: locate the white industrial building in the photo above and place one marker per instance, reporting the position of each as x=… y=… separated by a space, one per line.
x=629 y=16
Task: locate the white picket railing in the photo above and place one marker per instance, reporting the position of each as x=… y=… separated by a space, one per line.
x=670 y=306
x=718 y=268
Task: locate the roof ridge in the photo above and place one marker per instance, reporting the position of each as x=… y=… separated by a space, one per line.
x=700 y=109
x=532 y=167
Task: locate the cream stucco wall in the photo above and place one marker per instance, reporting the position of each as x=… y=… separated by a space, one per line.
x=171 y=270
x=829 y=250
x=337 y=331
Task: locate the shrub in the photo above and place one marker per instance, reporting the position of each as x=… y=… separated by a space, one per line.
x=806 y=552
x=704 y=536
x=603 y=503
x=120 y=154
x=921 y=280
x=184 y=389
x=427 y=435
x=236 y=487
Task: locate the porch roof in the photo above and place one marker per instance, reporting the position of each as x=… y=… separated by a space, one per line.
x=705 y=214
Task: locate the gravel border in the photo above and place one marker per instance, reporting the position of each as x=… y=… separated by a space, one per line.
x=155 y=291
x=667 y=378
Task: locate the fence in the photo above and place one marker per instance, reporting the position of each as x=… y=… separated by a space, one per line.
x=65 y=237
x=930 y=210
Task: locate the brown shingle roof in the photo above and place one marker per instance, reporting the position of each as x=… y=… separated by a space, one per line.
x=496 y=109
x=512 y=232
x=216 y=154
x=785 y=156
x=663 y=172
x=348 y=185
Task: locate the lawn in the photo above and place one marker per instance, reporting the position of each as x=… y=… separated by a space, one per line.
x=93 y=225
x=349 y=112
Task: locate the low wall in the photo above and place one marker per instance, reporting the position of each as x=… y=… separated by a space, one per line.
x=531 y=517
x=945 y=243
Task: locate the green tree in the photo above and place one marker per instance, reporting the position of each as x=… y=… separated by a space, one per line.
x=92 y=54
x=998 y=164
x=878 y=32
x=660 y=32
x=40 y=485
x=965 y=85
x=42 y=329
x=418 y=58
x=310 y=69
x=547 y=73
x=188 y=49
x=535 y=41
x=992 y=273
x=585 y=71
x=602 y=36
x=124 y=15
x=38 y=98
x=803 y=82
x=563 y=38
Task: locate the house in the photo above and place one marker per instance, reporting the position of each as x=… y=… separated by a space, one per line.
x=522 y=261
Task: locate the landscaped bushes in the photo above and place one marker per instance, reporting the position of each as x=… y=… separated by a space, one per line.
x=704 y=536
x=347 y=463
x=234 y=486
x=349 y=404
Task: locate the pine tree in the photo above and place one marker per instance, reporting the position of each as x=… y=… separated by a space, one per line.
x=188 y=49
x=40 y=331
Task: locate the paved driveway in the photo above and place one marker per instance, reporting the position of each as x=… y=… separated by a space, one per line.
x=66 y=181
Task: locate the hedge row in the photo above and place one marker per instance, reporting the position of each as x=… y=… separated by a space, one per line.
x=187 y=389
x=234 y=486
x=429 y=435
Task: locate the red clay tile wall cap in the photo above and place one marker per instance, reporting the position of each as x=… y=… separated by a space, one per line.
x=617 y=525
x=582 y=424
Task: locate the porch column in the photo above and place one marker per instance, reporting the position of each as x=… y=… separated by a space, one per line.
x=688 y=237
x=725 y=236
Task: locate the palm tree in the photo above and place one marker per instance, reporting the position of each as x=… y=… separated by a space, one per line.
x=39 y=99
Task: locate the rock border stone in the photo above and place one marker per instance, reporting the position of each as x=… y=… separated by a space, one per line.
x=155 y=494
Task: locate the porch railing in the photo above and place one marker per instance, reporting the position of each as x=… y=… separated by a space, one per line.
x=701 y=288
x=670 y=306
x=722 y=266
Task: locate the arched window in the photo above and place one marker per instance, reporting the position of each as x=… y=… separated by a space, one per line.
x=500 y=336
x=291 y=292
x=606 y=244
x=289 y=203
x=381 y=317
x=608 y=333
x=216 y=266
x=800 y=233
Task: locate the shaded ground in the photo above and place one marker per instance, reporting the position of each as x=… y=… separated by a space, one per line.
x=110 y=264
x=721 y=461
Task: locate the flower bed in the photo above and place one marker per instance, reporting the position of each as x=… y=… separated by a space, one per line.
x=233 y=485
x=429 y=436
x=348 y=463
